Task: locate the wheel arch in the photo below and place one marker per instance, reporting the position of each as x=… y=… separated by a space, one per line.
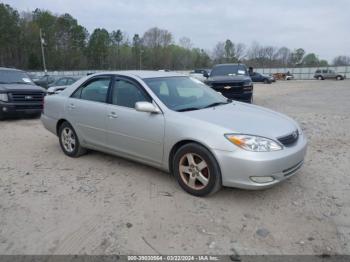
x=181 y=143
x=59 y=123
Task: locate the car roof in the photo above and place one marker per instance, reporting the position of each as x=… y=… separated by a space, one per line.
x=228 y=64
x=143 y=74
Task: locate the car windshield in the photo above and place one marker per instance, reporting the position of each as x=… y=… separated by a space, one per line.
x=14 y=77
x=185 y=93
x=229 y=70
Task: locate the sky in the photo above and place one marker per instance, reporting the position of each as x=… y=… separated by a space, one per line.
x=319 y=26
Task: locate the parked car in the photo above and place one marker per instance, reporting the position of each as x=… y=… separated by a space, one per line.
x=45 y=80
x=178 y=124
x=232 y=81
x=200 y=74
x=257 y=77
x=18 y=94
x=328 y=74
x=61 y=84
x=64 y=81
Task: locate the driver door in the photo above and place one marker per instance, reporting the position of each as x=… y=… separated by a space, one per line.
x=130 y=132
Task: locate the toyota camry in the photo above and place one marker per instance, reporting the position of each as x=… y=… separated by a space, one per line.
x=178 y=124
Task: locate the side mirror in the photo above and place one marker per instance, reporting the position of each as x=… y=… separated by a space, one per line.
x=205 y=74
x=147 y=107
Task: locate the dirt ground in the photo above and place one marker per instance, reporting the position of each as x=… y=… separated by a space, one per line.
x=100 y=204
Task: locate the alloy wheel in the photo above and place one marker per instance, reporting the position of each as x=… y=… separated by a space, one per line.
x=68 y=139
x=194 y=171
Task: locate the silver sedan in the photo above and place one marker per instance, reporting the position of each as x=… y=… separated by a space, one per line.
x=178 y=124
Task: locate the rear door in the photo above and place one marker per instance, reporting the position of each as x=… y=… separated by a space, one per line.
x=325 y=73
x=130 y=132
x=87 y=109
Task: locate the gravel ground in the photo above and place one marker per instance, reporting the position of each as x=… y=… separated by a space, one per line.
x=100 y=204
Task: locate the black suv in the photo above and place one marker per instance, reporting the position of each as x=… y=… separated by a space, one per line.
x=18 y=94
x=232 y=81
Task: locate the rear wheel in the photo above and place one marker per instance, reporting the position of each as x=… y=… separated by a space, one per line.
x=196 y=170
x=320 y=78
x=69 y=141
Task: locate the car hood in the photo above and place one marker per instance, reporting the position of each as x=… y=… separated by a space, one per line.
x=20 y=87
x=228 y=79
x=247 y=119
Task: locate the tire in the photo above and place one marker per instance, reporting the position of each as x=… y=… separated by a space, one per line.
x=339 y=78
x=320 y=78
x=197 y=170
x=266 y=81
x=67 y=137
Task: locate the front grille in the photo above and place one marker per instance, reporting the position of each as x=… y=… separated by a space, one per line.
x=235 y=89
x=27 y=97
x=290 y=139
x=222 y=86
x=24 y=107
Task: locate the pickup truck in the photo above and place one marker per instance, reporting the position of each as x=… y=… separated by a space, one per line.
x=18 y=94
x=232 y=81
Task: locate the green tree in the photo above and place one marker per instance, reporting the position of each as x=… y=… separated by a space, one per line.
x=97 y=49
x=310 y=60
x=229 y=51
x=117 y=38
x=9 y=36
x=297 y=56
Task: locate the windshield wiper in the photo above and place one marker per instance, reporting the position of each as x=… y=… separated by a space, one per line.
x=217 y=104
x=188 y=109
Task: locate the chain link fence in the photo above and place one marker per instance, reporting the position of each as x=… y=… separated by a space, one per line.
x=304 y=73
x=300 y=73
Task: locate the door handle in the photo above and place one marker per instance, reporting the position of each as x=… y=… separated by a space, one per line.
x=71 y=106
x=113 y=115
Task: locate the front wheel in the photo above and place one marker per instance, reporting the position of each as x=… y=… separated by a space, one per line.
x=196 y=170
x=69 y=141
x=320 y=78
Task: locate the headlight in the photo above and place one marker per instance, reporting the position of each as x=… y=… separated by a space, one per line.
x=254 y=143
x=247 y=83
x=4 y=97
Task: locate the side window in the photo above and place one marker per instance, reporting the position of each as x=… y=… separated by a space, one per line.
x=95 y=90
x=126 y=94
x=318 y=71
x=324 y=71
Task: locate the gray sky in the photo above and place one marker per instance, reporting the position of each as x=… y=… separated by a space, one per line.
x=320 y=26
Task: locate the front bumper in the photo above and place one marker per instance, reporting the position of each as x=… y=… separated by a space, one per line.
x=242 y=97
x=237 y=167
x=9 y=109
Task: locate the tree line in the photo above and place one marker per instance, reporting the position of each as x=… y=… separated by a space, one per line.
x=69 y=46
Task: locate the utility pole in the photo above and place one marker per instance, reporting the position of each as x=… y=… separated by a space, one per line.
x=42 y=42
